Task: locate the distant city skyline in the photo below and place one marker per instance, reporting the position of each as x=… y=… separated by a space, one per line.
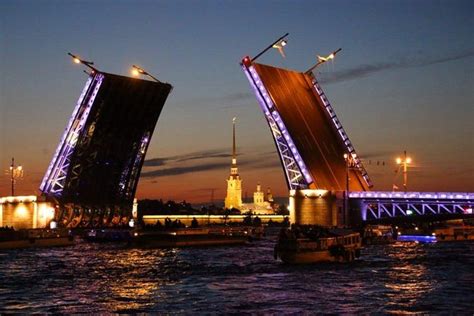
x=403 y=81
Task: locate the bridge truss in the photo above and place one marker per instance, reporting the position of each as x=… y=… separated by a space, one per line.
x=376 y=205
x=296 y=172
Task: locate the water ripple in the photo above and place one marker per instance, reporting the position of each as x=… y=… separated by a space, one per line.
x=406 y=278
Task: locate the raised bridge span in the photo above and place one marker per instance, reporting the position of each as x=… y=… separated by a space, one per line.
x=312 y=146
x=93 y=175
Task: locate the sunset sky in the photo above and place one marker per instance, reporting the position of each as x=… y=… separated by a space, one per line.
x=404 y=80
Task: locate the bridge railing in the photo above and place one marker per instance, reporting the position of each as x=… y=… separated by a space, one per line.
x=412 y=195
x=296 y=172
x=384 y=204
x=342 y=133
x=53 y=181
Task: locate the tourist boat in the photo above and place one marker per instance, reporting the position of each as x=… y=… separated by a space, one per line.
x=454 y=233
x=30 y=238
x=188 y=237
x=378 y=235
x=337 y=246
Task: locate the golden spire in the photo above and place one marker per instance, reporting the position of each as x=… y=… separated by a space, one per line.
x=234 y=154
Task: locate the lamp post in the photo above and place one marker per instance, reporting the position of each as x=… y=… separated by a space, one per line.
x=278 y=44
x=15 y=173
x=322 y=60
x=136 y=71
x=76 y=59
x=404 y=162
x=347 y=159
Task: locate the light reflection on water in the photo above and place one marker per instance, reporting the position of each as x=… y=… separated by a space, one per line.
x=85 y=278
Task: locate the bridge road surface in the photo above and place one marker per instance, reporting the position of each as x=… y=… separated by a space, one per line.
x=310 y=127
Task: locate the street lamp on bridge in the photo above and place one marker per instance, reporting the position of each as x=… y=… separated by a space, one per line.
x=278 y=44
x=16 y=172
x=136 y=71
x=349 y=159
x=322 y=60
x=404 y=162
x=77 y=60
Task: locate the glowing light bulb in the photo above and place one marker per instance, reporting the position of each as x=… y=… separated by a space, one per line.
x=77 y=60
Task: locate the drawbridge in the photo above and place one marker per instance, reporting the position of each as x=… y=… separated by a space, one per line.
x=324 y=174
x=309 y=137
x=93 y=175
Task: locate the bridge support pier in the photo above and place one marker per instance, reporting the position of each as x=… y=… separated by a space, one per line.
x=318 y=207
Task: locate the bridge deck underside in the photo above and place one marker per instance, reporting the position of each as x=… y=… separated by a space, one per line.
x=311 y=129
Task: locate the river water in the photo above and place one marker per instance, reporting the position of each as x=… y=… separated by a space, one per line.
x=90 y=278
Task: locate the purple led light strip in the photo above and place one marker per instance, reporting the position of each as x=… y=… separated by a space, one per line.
x=340 y=129
x=136 y=164
x=272 y=114
x=65 y=133
x=57 y=169
x=413 y=195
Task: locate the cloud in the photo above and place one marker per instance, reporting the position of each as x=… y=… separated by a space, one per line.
x=175 y=168
x=204 y=154
x=214 y=153
x=180 y=170
x=155 y=162
x=377 y=154
x=262 y=164
x=368 y=69
x=173 y=171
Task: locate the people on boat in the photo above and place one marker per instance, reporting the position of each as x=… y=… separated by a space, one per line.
x=194 y=223
x=295 y=231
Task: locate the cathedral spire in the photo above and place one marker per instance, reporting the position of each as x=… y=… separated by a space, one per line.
x=234 y=155
x=234 y=171
x=234 y=183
